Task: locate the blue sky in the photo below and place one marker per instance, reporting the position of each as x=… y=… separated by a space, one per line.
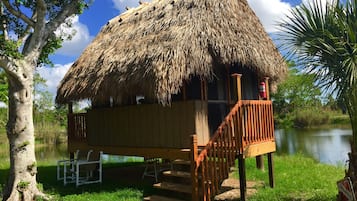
x=88 y=25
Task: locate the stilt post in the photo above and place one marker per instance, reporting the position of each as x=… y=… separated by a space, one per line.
x=270 y=155
x=259 y=162
x=194 y=170
x=70 y=127
x=242 y=177
x=271 y=170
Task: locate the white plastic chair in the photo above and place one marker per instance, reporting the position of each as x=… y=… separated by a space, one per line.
x=62 y=163
x=91 y=168
x=86 y=169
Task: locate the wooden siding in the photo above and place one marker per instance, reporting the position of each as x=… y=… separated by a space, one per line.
x=148 y=125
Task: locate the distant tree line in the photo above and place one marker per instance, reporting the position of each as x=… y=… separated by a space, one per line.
x=299 y=102
x=46 y=113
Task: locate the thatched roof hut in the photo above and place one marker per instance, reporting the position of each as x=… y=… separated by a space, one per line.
x=154 y=48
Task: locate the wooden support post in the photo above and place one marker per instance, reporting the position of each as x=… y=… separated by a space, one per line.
x=228 y=89
x=204 y=90
x=238 y=84
x=271 y=170
x=194 y=170
x=270 y=155
x=69 y=127
x=242 y=177
x=70 y=108
x=259 y=162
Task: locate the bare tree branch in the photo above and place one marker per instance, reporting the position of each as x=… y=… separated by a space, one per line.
x=18 y=13
x=67 y=11
x=33 y=47
x=27 y=30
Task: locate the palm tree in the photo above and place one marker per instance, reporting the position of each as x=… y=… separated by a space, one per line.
x=323 y=40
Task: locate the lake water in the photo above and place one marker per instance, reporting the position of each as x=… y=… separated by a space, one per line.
x=329 y=146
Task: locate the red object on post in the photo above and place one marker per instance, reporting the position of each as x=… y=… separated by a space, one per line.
x=262 y=90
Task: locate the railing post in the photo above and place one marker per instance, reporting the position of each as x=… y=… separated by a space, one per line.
x=194 y=169
x=237 y=80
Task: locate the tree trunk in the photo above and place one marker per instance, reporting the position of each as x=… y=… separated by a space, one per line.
x=21 y=183
x=351 y=104
x=352 y=111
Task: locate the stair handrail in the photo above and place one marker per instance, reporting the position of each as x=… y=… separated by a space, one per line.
x=212 y=148
x=228 y=141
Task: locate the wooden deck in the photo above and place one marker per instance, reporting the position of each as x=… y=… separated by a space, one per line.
x=247 y=131
x=251 y=125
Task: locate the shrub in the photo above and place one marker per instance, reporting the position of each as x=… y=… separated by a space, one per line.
x=310 y=117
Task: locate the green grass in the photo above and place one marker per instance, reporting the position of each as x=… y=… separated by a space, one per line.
x=297 y=178
x=111 y=189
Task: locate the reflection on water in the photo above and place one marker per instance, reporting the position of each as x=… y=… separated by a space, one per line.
x=329 y=146
x=59 y=152
x=50 y=152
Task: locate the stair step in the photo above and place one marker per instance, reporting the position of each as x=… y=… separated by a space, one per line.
x=160 y=198
x=173 y=187
x=174 y=173
x=181 y=162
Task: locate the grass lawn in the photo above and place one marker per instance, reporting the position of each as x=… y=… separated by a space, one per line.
x=297 y=178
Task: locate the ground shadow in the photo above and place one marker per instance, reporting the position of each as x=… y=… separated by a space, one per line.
x=115 y=177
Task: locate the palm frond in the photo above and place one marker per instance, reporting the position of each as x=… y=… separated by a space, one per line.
x=323 y=41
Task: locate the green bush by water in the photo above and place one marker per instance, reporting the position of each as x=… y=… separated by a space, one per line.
x=311 y=117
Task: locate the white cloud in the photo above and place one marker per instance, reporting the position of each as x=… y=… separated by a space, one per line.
x=121 y=4
x=53 y=75
x=323 y=3
x=78 y=42
x=270 y=12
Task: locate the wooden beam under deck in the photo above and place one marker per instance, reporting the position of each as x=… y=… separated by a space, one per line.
x=259 y=149
x=165 y=153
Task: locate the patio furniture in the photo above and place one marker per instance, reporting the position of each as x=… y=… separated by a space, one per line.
x=86 y=168
x=62 y=163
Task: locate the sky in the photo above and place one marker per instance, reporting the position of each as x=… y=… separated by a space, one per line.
x=87 y=25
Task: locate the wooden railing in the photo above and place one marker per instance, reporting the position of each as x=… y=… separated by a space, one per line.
x=77 y=129
x=249 y=122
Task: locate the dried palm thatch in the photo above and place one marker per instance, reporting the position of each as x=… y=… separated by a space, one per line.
x=154 y=48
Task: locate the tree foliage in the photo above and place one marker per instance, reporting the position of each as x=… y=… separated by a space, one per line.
x=28 y=35
x=297 y=93
x=322 y=39
x=3 y=87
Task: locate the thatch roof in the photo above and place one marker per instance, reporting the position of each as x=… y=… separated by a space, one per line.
x=154 y=48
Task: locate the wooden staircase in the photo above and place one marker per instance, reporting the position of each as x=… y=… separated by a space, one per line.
x=247 y=131
x=176 y=184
